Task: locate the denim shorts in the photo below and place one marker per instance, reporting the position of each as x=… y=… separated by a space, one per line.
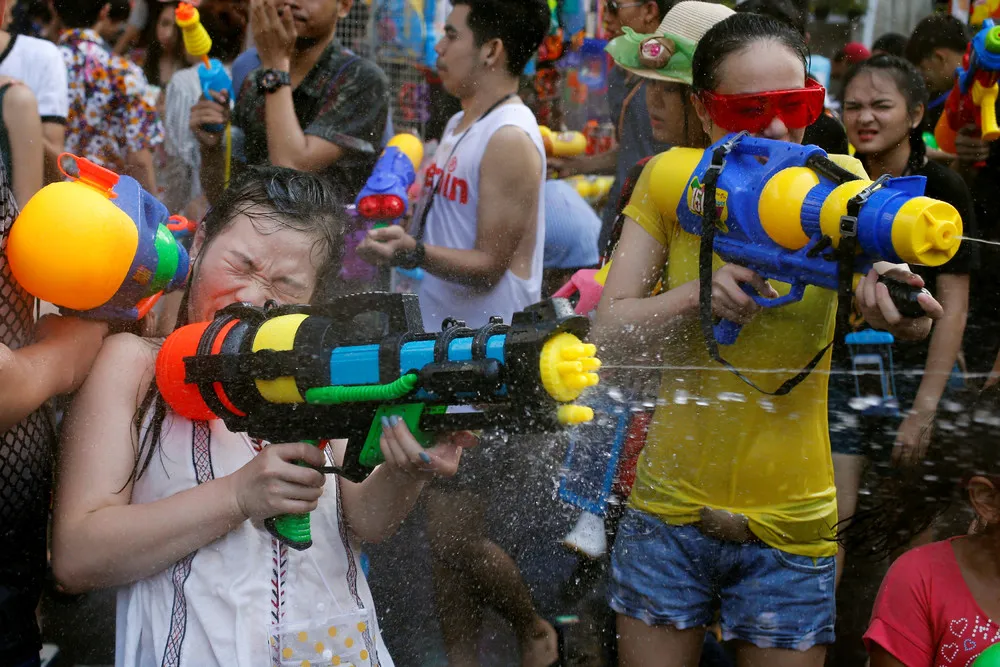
x=674 y=575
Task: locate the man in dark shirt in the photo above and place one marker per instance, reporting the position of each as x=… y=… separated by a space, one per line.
x=311 y=105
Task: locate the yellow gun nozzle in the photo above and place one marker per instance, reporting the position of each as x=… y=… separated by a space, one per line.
x=566 y=367
x=570 y=415
x=926 y=231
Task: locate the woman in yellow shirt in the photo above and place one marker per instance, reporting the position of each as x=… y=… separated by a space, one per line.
x=733 y=509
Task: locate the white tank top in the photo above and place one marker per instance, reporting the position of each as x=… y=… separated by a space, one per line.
x=245 y=600
x=452 y=223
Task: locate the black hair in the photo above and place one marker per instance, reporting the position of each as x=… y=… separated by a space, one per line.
x=910 y=84
x=786 y=11
x=520 y=24
x=78 y=13
x=279 y=197
x=155 y=52
x=664 y=6
x=937 y=31
x=734 y=34
x=892 y=43
x=226 y=21
x=908 y=500
x=119 y=10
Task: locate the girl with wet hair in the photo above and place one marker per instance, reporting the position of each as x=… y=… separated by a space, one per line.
x=172 y=511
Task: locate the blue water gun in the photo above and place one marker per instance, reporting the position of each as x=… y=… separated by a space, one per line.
x=285 y=374
x=198 y=43
x=792 y=215
x=384 y=196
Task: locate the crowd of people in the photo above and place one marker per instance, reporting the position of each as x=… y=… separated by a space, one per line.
x=750 y=496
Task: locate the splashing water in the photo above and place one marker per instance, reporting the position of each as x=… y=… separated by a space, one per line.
x=983 y=241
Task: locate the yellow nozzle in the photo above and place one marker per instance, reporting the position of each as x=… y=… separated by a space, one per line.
x=567 y=367
x=409 y=145
x=780 y=206
x=926 y=231
x=278 y=333
x=570 y=415
x=196 y=39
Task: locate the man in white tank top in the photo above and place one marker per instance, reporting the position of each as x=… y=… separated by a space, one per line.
x=478 y=233
x=479 y=226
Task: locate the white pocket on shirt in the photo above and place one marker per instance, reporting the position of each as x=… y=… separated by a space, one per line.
x=338 y=639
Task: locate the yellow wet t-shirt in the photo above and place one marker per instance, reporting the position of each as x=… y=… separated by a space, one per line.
x=716 y=442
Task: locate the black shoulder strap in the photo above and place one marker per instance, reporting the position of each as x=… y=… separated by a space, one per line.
x=628 y=187
x=846 y=254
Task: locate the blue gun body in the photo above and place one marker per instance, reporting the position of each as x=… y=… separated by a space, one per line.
x=214 y=79
x=392 y=177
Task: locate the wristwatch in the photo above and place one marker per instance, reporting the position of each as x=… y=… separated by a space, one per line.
x=270 y=80
x=410 y=259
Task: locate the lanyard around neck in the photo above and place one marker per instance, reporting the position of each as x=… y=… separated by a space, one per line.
x=422 y=222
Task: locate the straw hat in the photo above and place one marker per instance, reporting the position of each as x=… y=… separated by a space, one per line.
x=666 y=54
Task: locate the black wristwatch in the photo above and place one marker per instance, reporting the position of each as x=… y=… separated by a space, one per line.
x=271 y=80
x=410 y=259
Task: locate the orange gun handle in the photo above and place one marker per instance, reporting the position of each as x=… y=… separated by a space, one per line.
x=144 y=306
x=945 y=135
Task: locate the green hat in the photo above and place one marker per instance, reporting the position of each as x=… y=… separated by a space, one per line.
x=666 y=54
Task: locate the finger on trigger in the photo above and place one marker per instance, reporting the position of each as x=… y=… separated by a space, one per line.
x=886 y=305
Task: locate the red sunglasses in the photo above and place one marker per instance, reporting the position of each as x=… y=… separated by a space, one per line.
x=753 y=112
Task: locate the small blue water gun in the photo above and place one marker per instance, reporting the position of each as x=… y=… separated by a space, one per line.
x=198 y=43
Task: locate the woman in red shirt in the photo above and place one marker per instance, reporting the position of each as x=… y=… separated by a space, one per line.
x=939 y=604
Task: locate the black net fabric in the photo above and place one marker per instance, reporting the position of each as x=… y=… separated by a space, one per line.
x=26 y=452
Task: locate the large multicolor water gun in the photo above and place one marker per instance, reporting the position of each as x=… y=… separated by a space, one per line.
x=198 y=43
x=293 y=373
x=98 y=246
x=384 y=196
x=783 y=210
x=973 y=99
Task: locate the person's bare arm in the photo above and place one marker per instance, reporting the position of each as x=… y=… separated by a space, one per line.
x=507 y=210
x=98 y=538
x=602 y=163
x=213 y=149
x=56 y=363
x=287 y=144
x=952 y=292
x=55 y=143
x=374 y=508
x=946 y=341
x=128 y=38
x=139 y=165
x=24 y=130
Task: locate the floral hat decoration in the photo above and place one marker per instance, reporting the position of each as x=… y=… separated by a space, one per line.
x=666 y=54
